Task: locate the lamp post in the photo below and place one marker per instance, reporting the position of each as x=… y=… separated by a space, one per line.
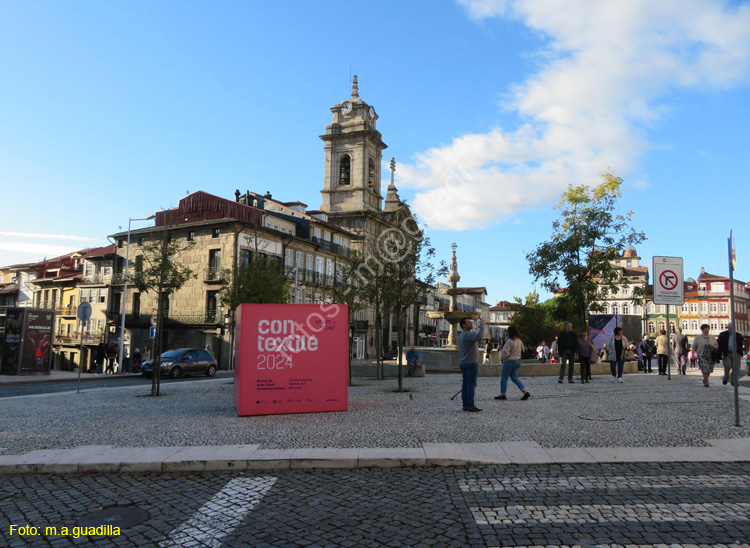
x=125 y=290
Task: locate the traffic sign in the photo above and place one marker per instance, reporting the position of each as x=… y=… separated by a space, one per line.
x=84 y=312
x=433 y=336
x=152 y=332
x=668 y=281
x=153 y=322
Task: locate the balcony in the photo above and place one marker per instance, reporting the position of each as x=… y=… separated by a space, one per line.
x=305 y=276
x=360 y=325
x=118 y=278
x=67 y=311
x=75 y=338
x=215 y=274
x=99 y=279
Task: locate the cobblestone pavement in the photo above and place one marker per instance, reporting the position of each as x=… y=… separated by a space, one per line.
x=680 y=504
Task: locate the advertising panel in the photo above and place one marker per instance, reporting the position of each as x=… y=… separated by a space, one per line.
x=602 y=327
x=13 y=341
x=291 y=358
x=37 y=343
x=28 y=341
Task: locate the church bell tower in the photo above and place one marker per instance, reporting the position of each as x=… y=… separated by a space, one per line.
x=353 y=154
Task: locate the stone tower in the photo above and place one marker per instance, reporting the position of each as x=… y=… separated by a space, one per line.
x=353 y=154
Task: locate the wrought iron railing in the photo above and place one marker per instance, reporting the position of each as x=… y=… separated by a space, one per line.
x=215 y=274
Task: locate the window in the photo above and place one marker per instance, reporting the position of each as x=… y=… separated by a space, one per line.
x=102 y=296
x=289 y=258
x=215 y=233
x=694 y=325
x=345 y=169
x=319 y=265
x=337 y=239
x=88 y=269
x=120 y=243
x=275 y=227
x=714 y=325
x=268 y=224
x=245 y=257
x=317 y=233
x=116 y=302
x=327 y=236
x=300 y=261
x=693 y=308
x=136 y=305
x=308 y=297
x=662 y=309
x=370 y=172
x=309 y=263
x=684 y=325
x=345 y=243
x=651 y=327
x=625 y=309
x=714 y=307
x=212 y=305
x=629 y=262
x=685 y=308
x=671 y=327
x=139 y=264
x=214 y=261
x=724 y=324
x=329 y=267
x=724 y=307
x=615 y=310
x=140 y=240
x=650 y=308
x=662 y=325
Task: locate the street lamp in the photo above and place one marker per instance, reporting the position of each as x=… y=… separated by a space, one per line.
x=125 y=290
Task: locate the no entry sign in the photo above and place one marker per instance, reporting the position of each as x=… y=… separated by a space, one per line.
x=668 y=286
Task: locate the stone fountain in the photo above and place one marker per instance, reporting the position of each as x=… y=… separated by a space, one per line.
x=454 y=315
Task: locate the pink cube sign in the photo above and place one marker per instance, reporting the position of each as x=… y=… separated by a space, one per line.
x=291 y=358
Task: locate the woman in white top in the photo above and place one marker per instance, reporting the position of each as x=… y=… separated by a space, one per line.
x=616 y=345
x=702 y=346
x=511 y=358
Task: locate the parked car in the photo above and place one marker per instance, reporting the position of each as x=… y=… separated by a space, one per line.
x=184 y=361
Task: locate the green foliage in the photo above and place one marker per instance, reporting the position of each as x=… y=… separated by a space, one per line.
x=260 y=281
x=163 y=274
x=534 y=320
x=585 y=240
x=160 y=271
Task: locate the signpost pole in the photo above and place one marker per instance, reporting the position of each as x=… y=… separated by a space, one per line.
x=669 y=348
x=80 y=360
x=732 y=331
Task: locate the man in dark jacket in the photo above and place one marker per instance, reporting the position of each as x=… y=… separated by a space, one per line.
x=728 y=350
x=567 y=343
x=647 y=349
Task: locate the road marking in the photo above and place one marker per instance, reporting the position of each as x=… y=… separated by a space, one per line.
x=219 y=516
x=581 y=483
x=610 y=513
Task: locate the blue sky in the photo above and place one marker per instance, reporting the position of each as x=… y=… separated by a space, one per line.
x=490 y=107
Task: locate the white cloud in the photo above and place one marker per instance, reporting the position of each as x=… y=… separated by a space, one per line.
x=607 y=66
x=43 y=236
x=37 y=250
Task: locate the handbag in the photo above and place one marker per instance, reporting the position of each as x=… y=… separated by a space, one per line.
x=594 y=358
x=716 y=355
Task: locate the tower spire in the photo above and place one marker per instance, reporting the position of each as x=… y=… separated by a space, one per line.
x=355 y=88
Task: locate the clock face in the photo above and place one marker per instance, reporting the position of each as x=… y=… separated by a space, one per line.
x=372 y=113
x=346 y=107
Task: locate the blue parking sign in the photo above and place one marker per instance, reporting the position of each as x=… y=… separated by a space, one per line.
x=152 y=332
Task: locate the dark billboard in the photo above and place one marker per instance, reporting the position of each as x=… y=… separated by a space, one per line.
x=28 y=341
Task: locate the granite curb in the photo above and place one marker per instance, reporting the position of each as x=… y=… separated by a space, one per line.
x=110 y=459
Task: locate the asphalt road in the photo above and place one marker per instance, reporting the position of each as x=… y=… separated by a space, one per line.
x=106 y=381
x=638 y=505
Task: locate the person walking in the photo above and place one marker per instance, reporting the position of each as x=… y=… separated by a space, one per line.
x=566 y=346
x=467 y=353
x=662 y=351
x=135 y=366
x=728 y=349
x=703 y=344
x=554 y=355
x=647 y=350
x=412 y=360
x=511 y=360
x=586 y=351
x=111 y=359
x=617 y=344
x=680 y=346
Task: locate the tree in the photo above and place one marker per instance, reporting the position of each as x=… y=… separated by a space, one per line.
x=165 y=275
x=346 y=289
x=586 y=238
x=533 y=320
x=408 y=257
